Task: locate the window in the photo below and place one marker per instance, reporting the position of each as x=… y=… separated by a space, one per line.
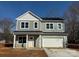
x=22 y=39
x=35 y=24
x=47 y=26
x=31 y=38
x=26 y=25
x=51 y=26
x=22 y=24
x=59 y=26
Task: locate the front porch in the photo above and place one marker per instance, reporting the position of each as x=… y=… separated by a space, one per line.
x=27 y=41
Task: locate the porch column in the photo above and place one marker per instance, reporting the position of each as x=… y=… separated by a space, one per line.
x=14 y=41
x=26 y=40
x=40 y=41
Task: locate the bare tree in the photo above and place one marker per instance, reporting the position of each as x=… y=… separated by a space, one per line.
x=72 y=23
x=6 y=26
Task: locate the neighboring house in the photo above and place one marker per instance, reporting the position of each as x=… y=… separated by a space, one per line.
x=33 y=31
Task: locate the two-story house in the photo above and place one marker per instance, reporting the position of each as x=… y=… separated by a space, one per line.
x=33 y=31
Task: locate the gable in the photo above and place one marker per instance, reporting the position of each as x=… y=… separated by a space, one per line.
x=28 y=16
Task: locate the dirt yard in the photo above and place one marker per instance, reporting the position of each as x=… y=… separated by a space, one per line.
x=10 y=52
x=6 y=51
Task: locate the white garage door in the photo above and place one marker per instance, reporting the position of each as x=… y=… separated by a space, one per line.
x=52 y=42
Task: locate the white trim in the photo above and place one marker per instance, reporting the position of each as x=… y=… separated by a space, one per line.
x=32 y=37
x=27 y=13
x=40 y=45
x=46 y=38
x=34 y=15
x=27 y=41
x=49 y=26
x=46 y=26
x=14 y=41
x=16 y=24
x=34 y=25
x=58 y=26
x=24 y=24
x=40 y=27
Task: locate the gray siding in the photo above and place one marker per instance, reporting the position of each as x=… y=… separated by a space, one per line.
x=41 y=26
x=55 y=27
x=31 y=25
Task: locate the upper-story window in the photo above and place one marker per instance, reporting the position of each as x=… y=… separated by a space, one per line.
x=35 y=24
x=59 y=26
x=51 y=26
x=47 y=26
x=24 y=24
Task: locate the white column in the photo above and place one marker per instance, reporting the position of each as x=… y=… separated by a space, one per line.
x=40 y=41
x=27 y=41
x=14 y=41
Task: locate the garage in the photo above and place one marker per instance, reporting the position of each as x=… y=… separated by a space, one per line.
x=50 y=41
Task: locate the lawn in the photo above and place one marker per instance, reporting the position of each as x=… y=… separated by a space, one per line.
x=10 y=52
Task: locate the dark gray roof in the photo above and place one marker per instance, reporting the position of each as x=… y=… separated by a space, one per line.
x=52 y=18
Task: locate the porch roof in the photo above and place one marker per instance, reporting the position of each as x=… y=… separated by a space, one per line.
x=40 y=32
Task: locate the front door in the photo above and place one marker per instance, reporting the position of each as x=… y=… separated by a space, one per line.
x=31 y=42
x=22 y=41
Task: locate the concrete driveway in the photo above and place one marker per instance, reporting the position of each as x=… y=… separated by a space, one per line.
x=61 y=52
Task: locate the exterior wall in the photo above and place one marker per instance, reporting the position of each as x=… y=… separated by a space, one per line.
x=26 y=45
x=41 y=26
x=27 y=16
x=31 y=25
x=30 y=18
x=19 y=45
x=65 y=41
x=55 y=27
x=38 y=41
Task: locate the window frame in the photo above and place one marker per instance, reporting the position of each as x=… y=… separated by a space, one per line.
x=24 y=25
x=22 y=39
x=50 y=25
x=30 y=38
x=34 y=25
x=58 y=26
